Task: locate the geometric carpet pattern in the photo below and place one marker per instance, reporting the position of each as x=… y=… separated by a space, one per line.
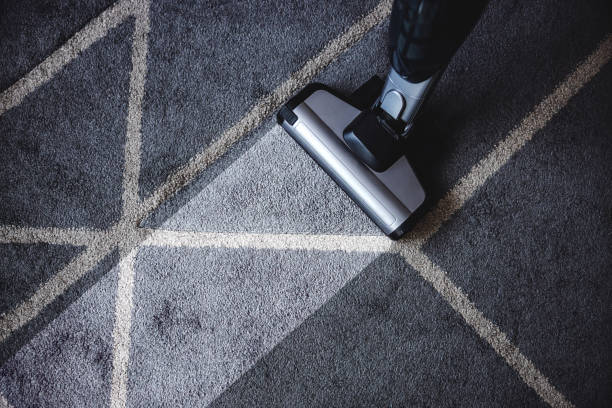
x=195 y=284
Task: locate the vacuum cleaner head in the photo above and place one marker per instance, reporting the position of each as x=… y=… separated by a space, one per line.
x=317 y=118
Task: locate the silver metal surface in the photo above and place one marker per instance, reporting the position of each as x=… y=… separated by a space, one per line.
x=393 y=103
x=389 y=197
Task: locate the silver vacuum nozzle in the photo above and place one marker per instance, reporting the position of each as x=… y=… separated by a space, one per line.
x=316 y=119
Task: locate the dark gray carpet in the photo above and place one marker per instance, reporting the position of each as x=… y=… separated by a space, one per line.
x=33 y=29
x=386 y=339
x=261 y=327
x=539 y=265
x=57 y=142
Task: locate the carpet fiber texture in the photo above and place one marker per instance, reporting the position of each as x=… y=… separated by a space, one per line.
x=165 y=243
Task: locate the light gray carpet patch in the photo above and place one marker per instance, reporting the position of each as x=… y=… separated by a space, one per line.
x=347 y=73
x=273 y=187
x=62 y=148
x=386 y=339
x=68 y=363
x=210 y=61
x=475 y=104
x=204 y=316
x=532 y=248
x=26 y=267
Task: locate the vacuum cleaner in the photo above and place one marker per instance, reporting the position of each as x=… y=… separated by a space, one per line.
x=361 y=140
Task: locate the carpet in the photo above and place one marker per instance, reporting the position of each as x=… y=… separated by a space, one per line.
x=165 y=243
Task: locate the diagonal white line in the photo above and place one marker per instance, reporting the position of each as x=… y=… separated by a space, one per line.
x=465 y=189
x=93 y=31
x=133 y=137
x=120 y=234
x=266 y=106
x=121 y=331
x=124 y=232
x=11 y=234
x=450 y=204
x=534 y=121
x=410 y=247
x=55 y=286
x=347 y=243
x=485 y=328
x=453 y=201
